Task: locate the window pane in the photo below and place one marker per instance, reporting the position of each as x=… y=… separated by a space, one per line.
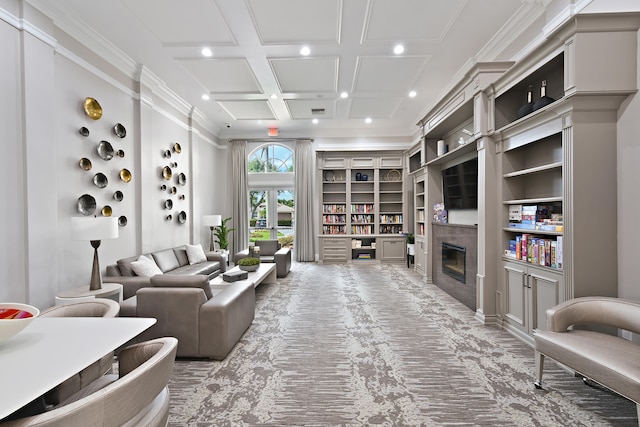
x=271 y=158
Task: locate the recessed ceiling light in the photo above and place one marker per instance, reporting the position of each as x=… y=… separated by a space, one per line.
x=412 y=94
x=206 y=52
x=344 y=95
x=314 y=121
x=274 y=96
x=205 y=96
x=398 y=49
x=305 y=51
x=367 y=120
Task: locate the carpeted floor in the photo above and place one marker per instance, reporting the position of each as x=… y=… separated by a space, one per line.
x=372 y=344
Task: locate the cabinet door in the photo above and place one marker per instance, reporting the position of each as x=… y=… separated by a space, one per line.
x=334 y=249
x=419 y=257
x=392 y=249
x=515 y=279
x=545 y=290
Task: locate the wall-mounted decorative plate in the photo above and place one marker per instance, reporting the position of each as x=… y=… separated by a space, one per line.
x=125 y=175
x=86 y=204
x=329 y=176
x=163 y=187
x=182 y=217
x=92 y=108
x=173 y=190
x=177 y=148
x=106 y=211
x=118 y=196
x=84 y=131
x=182 y=179
x=168 y=217
x=166 y=154
x=85 y=164
x=100 y=180
x=122 y=221
x=166 y=173
x=105 y=150
x=393 y=175
x=168 y=204
x=120 y=153
x=120 y=130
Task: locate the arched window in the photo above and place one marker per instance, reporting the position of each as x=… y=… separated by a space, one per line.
x=271 y=158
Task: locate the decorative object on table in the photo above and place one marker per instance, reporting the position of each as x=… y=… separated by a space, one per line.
x=177 y=148
x=84 y=131
x=166 y=173
x=106 y=210
x=168 y=204
x=222 y=234
x=234 y=276
x=393 y=175
x=94 y=229
x=100 y=180
x=85 y=164
x=329 y=176
x=122 y=221
x=118 y=196
x=86 y=204
x=14 y=317
x=125 y=175
x=182 y=179
x=120 y=130
x=182 y=217
x=249 y=264
x=527 y=108
x=544 y=100
x=92 y=108
x=212 y=221
x=105 y=150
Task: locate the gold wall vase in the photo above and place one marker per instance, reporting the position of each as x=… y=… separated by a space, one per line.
x=106 y=211
x=177 y=148
x=125 y=175
x=166 y=173
x=92 y=108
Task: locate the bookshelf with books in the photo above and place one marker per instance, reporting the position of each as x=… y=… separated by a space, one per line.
x=554 y=163
x=362 y=195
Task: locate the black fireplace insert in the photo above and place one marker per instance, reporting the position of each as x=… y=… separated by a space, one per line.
x=454 y=261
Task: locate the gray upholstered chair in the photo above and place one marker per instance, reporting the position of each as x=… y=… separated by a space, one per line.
x=137 y=396
x=99 y=307
x=271 y=251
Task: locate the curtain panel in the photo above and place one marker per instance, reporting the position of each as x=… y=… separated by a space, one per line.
x=240 y=186
x=304 y=247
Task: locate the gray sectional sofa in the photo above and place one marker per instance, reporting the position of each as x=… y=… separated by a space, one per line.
x=173 y=261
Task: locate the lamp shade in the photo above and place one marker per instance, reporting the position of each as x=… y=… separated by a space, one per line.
x=94 y=228
x=212 y=220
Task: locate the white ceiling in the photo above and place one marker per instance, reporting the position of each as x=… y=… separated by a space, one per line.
x=257 y=78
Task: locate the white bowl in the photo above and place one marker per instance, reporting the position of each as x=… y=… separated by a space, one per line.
x=10 y=327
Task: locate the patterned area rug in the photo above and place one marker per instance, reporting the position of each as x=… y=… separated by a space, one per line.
x=372 y=344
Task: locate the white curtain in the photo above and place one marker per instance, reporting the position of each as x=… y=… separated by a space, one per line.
x=303 y=193
x=240 y=188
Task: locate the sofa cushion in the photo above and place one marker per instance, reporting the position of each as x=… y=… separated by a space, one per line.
x=166 y=260
x=268 y=247
x=196 y=254
x=174 y=281
x=205 y=268
x=181 y=255
x=145 y=267
x=124 y=265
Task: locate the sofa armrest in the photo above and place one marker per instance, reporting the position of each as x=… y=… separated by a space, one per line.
x=282 y=259
x=130 y=284
x=177 y=312
x=616 y=312
x=216 y=256
x=242 y=254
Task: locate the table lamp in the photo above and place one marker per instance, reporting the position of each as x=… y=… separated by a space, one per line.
x=212 y=221
x=94 y=229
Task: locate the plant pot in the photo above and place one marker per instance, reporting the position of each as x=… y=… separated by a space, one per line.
x=249 y=267
x=411 y=248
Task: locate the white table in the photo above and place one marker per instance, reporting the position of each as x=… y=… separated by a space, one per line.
x=266 y=273
x=51 y=350
x=109 y=290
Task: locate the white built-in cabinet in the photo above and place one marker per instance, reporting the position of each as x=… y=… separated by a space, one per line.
x=563 y=154
x=362 y=200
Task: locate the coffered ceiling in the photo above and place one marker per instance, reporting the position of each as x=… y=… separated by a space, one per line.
x=256 y=77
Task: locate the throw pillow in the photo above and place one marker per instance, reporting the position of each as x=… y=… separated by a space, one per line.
x=195 y=254
x=145 y=267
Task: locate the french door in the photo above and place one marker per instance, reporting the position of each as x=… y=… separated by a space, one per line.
x=271 y=214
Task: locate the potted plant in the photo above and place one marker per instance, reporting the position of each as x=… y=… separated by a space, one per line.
x=249 y=264
x=222 y=234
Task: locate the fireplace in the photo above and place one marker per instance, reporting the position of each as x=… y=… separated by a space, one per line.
x=454 y=261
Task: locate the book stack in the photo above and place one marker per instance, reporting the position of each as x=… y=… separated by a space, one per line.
x=535 y=217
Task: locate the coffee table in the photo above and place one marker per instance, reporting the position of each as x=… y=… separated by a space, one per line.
x=266 y=273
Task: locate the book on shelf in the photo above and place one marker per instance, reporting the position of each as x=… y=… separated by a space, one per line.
x=536 y=250
x=515 y=213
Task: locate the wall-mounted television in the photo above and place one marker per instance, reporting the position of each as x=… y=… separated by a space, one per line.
x=460 y=185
